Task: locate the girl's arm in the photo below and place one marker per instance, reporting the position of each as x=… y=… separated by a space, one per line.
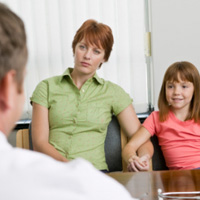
x=40 y=133
x=140 y=160
x=130 y=124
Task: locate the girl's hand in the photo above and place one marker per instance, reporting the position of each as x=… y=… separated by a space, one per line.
x=136 y=163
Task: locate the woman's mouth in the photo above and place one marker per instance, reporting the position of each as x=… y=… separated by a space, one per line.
x=85 y=64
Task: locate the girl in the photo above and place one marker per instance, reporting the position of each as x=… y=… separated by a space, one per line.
x=176 y=124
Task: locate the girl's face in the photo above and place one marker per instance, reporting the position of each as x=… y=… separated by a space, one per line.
x=179 y=94
x=87 y=58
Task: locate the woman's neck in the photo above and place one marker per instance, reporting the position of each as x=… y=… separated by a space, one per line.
x=79 y=79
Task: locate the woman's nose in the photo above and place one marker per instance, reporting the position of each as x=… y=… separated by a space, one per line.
x=87 y=55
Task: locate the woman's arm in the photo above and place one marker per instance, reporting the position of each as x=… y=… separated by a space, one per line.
x=40 y=133
x=130 y=124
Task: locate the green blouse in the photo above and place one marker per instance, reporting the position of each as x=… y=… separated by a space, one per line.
x=78 y=119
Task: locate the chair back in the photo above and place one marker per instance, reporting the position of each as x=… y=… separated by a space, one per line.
x=30 y=137
x=114 y=143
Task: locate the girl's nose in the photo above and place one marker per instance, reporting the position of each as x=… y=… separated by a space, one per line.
x=176 y=90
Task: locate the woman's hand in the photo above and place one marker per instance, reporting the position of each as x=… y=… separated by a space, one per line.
x=136 y=163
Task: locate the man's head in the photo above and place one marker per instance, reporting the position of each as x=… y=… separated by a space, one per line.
x=13 y=58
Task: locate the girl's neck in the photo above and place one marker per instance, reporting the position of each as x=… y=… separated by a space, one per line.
x=181 y=114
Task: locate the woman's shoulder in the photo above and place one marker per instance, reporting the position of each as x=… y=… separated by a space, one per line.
x=51 y=80
x=111 y=85
x=106 y=83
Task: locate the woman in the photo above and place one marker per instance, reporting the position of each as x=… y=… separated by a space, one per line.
x=71 y=112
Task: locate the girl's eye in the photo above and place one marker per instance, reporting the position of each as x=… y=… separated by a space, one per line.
x=184 y=86
x=169 y=86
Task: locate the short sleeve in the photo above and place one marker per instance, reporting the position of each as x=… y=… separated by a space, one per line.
x=120 y=100
x=150 y=122
x=40 y=94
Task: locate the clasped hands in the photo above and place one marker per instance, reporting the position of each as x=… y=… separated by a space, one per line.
x=136 y=163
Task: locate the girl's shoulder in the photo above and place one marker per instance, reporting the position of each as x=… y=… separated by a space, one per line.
x=154 y=114
x=153 y=117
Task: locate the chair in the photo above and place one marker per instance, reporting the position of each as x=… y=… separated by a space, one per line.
x=22 y=139
x=158 y=160
x=30 y=137
x=114 y=143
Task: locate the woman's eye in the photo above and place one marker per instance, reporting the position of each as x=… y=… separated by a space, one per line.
x=97 y=51
x=184 y=86
x=82 y=46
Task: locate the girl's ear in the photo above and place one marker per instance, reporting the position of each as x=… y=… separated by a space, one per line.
x=7 y=86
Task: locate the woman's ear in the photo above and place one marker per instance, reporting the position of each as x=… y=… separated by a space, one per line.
x=7 y=87
x=100 y=66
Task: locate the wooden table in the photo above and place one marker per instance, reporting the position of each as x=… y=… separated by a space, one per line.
x=147 y=183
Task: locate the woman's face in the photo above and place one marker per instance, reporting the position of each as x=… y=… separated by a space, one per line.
x=87 y=58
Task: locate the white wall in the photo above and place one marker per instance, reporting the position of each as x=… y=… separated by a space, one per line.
x=175 y=26
x=51 y=25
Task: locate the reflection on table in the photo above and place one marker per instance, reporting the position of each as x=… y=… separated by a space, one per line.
x=146 y=184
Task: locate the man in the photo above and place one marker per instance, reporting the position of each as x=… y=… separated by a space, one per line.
x=29 y=175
